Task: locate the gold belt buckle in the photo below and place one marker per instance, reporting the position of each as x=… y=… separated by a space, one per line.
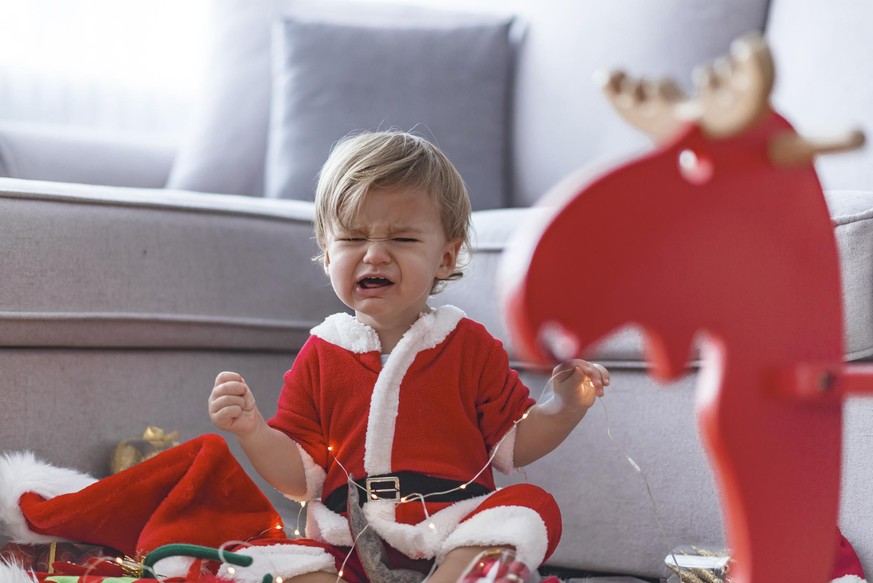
x=376 y=487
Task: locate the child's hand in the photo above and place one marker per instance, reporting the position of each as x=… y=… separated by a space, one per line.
x=232 y=406
x=577 y=383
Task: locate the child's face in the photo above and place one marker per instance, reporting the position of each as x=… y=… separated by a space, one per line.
x=384 y=265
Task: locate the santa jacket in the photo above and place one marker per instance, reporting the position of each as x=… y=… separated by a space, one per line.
x=441 y=403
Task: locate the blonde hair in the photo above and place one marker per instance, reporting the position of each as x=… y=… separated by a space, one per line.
x=387 y=159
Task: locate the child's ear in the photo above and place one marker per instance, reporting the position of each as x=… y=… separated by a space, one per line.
x=449 y=259
x=326 y=263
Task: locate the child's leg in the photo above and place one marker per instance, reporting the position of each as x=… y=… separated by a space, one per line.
x=456 y=562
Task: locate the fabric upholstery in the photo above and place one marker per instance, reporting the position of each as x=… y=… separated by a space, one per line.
x=138 y=267
x=45 y=152
x=446 y=80
x=225 y=147
x=561 y=119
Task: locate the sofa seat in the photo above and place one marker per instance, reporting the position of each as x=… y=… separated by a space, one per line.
x=147 y=268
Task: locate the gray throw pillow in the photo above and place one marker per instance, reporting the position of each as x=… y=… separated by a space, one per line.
x=446 y=79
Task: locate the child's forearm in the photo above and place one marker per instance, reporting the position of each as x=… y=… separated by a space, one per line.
x=544 y=428
x=276 y=458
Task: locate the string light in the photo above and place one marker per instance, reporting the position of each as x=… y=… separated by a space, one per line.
x=422 y=497
x=664 y=538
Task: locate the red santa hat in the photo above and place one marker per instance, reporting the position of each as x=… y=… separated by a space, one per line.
x=193 y=493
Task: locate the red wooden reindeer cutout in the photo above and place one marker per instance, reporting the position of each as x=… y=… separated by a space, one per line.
x=722 y=231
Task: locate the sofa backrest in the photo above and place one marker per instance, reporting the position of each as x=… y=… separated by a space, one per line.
x=558 y=119
x=561 y=120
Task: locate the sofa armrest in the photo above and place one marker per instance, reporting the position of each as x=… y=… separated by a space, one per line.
x=81 y=155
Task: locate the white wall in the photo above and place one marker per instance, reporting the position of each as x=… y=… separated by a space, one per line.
x=126 y=65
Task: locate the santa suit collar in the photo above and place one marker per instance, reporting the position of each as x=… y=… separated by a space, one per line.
x=427 y=332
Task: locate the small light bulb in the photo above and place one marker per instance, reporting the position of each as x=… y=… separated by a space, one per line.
x=329 y=448
x=340 y=574
x=303 y=504
x=231 y=571
x=278 y=527
x=463 y=486
x=432 y=526
x=119 y=560
x=297 y=532
x=279 y=580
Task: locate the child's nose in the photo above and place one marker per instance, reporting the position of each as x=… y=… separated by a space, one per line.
x=377 y=252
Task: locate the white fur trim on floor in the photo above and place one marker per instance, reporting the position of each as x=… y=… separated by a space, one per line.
x=514 y=526
x=282 y=560
x=21 y=472
x=10 y=573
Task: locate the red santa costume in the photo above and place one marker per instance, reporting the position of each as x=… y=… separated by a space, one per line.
x=442 y=405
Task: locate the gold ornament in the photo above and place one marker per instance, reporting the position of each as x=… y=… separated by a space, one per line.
x=130 y=452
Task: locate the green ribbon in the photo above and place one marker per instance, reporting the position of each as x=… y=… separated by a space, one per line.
x=195 y=551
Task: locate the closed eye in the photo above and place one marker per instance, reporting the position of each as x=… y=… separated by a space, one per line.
x=405 y=240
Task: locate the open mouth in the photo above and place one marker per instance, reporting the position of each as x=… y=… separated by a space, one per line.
x=374 y=282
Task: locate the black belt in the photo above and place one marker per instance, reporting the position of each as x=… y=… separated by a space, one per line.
x=401 y=484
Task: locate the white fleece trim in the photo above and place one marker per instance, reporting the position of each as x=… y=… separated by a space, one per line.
x=13 y=573
x=427 y=332
x=848 y=579
x=174 y=566
x=284 y=561
x=325 y=525
x=504 y=459
x=21 y=472
x=314 y=474
x=345 y=331
x=418 y=541
x=514 y=526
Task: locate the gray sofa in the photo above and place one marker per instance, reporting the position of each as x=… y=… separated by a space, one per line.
x=124 y=292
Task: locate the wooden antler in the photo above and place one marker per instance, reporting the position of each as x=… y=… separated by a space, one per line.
x=656 y=108
x=734 y=92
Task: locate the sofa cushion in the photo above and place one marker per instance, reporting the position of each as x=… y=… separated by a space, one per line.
x=128 y=268
x=824 y=83
x=446 y=79
x=851 y=212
